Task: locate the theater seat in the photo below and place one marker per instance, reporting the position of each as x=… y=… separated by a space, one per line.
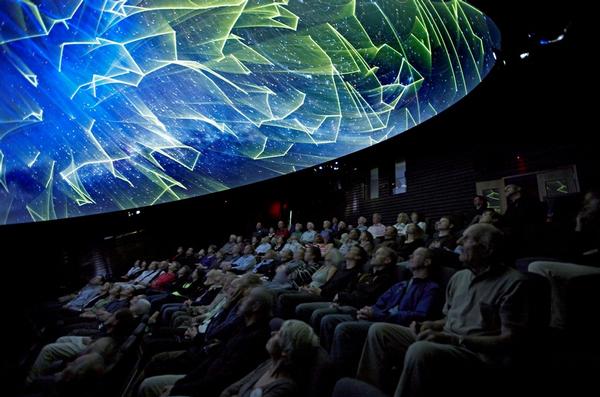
x=350 y=387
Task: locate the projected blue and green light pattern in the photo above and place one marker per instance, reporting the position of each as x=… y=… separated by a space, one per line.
x=114 y=104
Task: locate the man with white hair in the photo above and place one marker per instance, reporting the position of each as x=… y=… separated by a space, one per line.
x=309 y=235
x=485 y=316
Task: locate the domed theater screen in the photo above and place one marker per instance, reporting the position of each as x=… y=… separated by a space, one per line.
x=114 y=104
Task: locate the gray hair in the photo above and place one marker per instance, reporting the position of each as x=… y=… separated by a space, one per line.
x=296 y=336
x=490 y=237
x=140 y=308
x=335 y=257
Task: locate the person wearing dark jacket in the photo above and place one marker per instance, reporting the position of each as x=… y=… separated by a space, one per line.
x=223 y=365
x=369 y=286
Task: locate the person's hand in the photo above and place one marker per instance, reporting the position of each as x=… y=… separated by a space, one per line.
x=366 y=313
x=336 y=298
x=438 y=337
x=425 y=325
x=166 y=391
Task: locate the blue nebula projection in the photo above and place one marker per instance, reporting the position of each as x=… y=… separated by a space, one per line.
x=115 y=104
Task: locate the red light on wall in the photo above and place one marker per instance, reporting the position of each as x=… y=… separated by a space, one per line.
x=521 y=165
x=275 y=210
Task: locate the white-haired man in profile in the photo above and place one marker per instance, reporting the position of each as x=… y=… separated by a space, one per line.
x=486 y=315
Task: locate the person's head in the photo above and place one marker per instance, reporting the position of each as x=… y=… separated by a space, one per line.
x=591 y=198
x=294 y=341
x=281 y=225
x=196 y=274
x=164 y=265
x=512 y=192
x=143 y=265
x=344 y=238
x=376 y=218
x=105 y=288
x=420 y=262
x=414 y=230
x=489 y=216
x=140 y=307
x=342 y=225
x=258 y=226
x=121 y=323
x=241 y=285
x=482 y=246
x=312 y=254
x=310 y=226
x=415 y=217
x=115 y=290
x=480 y=201
x=326 y=225
x=271 y=230
x=293 y=239
x=286 y=255
x=366 y=236
x=248 y=250
x=236 y=249
x=299 y=254
x=445 y=224
x=126 y=292
x=212 y=249
x=319 y=239
x=265 y=240
x=180 y=250
x=213 y=277
x=189 y=251
x=357 y=254
x=390 y=232
x=270 y=254
x=184 y=272
x=232 y=238
x=334 y=257
x=353 y=235
x=384 y=257
x=254 y=240
x=173 y=267
x=362 y=221
x=334 y=220
x=402 y=218
x=239 y=239
x=298 y=227
x=258 y=303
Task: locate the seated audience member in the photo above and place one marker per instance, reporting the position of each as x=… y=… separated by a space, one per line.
x=480 y=205
x=77 y=302
x=584 y=260
x=522 y=221
x=350 y=241
x=282 y=230
x=401 y=222
x=297 y=231
x=162 y=282
x=263 y=247
x=309 y=235
x=116 y=328
x=377 y=229
x=292 y=350
x=413 y=240
x=491 y=217
x=415 y=219
x=138 y=267
x=367 y=242
x=346 y=273
x=268 y=264
x=390 y=239
x=339 y=230
x=244 y=263
x=486 y=317
x=227 y=249
x=361 y=224
x=327 y=232
x=260 y=232
x=285 y=281
x=221 y=367
x=207 y=262
x=113 y=292
x=369 y=286
x=417 y=299
x=147 y=275
x=324 y=246
x=278 y=244
x=443 y=238
x=292 y=244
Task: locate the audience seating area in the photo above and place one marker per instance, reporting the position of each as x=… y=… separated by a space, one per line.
x=342 y=309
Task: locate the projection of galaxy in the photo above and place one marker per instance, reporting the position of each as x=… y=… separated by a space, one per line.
x=107 y=105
